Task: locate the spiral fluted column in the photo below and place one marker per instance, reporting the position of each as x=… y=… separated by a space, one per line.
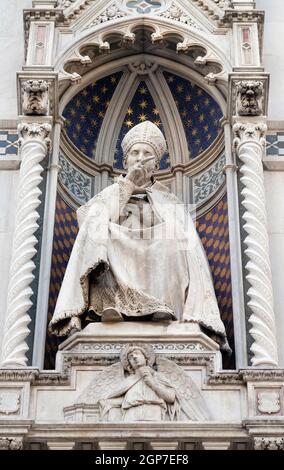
x=249 y=143
x=34 y=143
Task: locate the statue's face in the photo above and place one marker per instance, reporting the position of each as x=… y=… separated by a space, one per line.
x=137 y=153
x=136 y=359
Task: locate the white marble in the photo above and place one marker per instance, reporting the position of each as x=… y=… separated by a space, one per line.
x=11 y=53
x=273 y=54
x=274 y=186
x=8 y=184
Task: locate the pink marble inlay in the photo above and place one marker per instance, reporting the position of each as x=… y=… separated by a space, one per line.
x=40 y=45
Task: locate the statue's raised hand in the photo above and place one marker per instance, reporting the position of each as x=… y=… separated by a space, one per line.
x=140 y=172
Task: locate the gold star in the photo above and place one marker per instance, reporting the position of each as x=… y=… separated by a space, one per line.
x=107 y=104
x=194 y=132
x=189 y=122
x=101 y=114
x=85 y=141
x=206 y=127
x=104 y=89
x=183 y=114
x=188 y=98
x=197 y=142
x=78 y=102
x=157 y=122
x=128 y=123
x=84 y=92
x=156 y=111
x=78 y=127
x=180 y=88
x=201 y=118
x=196 y=107
x=96 y=99
x=82 y=117
x=73 y=112
x=130 y=111
x=208 y=137
x=67 y=122
x=170 y=79
x=212 y=111
x=143 y=90
x=90 y=132
x=113 y=79
x=143 y=104
x=199 y=92
x=142 y=117
x=94 y=123
x=88 y=108
x=206 y=101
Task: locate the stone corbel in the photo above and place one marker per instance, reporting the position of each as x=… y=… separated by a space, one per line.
x=37 y=94
x=248 y=94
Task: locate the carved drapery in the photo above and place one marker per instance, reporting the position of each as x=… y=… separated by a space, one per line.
x=249 y=143
x=34 y=143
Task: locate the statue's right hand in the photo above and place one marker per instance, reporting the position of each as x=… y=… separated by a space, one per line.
x=137 y=174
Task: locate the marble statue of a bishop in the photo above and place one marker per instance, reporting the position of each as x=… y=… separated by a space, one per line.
x=137 y=255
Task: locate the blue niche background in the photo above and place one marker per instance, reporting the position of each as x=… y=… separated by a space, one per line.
x=199 y=112
x=85 y=113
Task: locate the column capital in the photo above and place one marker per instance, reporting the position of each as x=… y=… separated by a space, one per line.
x=249 y=132
x=34 y=131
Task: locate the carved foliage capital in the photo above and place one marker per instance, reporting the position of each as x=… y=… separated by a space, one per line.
x=269 y=443
x=34 y=131
x=249 y=133
x=35 y=99
x=250 y=94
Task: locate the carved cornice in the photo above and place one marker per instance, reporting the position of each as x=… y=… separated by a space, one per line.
x=242 y=16
x=262 y=375
x=18 y=375
x=39 y=14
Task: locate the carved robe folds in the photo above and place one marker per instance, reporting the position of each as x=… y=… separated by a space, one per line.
x=141 y=270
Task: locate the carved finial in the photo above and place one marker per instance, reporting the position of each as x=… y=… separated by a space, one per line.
x=35 y=100
x=249 y=98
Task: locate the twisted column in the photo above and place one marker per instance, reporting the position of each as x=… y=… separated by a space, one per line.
x=249 y=143
x=34 y=143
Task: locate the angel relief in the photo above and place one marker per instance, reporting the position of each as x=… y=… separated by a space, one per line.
x=142 y=387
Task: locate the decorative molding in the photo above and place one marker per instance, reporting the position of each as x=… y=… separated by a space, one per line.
x=226 y=378
x=249 y=143
x=10 y=402
x=18 y=375
x=112 y=12
x=14 y=443
x=8 y=143
x=209 y=182
x=115 y=348
x=35 y=100
x=175 y=13
x=250 y=95
x=256 y=375
x=34 y=143
x=269 y=443
x=75 y=181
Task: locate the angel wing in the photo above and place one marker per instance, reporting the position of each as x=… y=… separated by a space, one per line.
x=187 y=392
x=102 y=384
